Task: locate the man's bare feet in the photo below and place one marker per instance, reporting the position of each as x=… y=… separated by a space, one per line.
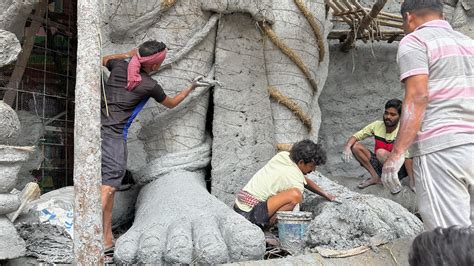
x=368 y=182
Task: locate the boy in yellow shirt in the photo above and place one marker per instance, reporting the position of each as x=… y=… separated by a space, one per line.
x=279 y=185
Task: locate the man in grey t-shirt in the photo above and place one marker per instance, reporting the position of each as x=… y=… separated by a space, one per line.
x=127 y=90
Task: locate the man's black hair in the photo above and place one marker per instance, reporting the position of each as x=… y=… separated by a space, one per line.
x=443 y=246
x=394 y=103
x=421 y=6
x=151 y=47
x=308 y=151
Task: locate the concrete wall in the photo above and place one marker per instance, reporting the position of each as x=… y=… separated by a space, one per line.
x=358 y=85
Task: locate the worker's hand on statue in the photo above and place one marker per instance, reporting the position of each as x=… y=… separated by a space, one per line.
x=390 y=172
x=347 y=154
x=199 y=82
x=330 y=197
x=132 y=52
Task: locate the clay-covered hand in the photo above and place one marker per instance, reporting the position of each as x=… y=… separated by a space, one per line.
x=199 y=82
x=346 y=154
x=330 y=197
x=390 y=172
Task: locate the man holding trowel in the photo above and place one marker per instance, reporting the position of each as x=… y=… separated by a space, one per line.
x=126 y=92
x=279 y=185
x=384 y=133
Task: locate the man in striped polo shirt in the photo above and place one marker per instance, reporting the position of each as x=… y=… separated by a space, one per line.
x=437 y=68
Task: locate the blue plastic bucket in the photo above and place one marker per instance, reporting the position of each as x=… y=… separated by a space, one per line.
x=292 y=229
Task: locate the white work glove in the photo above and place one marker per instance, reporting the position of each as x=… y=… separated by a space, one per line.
x=390 y=172
x=200 y=82
x=346 y=155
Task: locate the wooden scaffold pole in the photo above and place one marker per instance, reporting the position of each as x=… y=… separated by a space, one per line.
x=87 y=145
x=24 y=56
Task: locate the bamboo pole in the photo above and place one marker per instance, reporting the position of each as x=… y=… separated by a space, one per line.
x=347 y=12
x=88 y=244
x=394 y=16
x=387 y=35
x=365 y=22
x=335 y=34
x=390 y=24
x=336 y=9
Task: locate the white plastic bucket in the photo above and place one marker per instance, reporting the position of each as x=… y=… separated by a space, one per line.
x=292 y=229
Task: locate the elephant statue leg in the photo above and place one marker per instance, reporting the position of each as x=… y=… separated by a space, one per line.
x=177 y=220
x=243 y=138
x=291 y=72
x=297 y=60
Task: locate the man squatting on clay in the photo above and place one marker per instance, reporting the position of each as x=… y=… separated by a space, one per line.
x=279 y=185
x=437 y=67
x=384 y=133
x=127 y=90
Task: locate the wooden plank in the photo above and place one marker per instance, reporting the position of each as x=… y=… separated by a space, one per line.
x=50 y=24
x=22 y=61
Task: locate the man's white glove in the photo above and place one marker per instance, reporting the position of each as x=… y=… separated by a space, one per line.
x=199 y=81
x=390 y=173
x=346 y=155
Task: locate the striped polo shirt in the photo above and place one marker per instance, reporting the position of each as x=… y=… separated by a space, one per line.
x=447 y=56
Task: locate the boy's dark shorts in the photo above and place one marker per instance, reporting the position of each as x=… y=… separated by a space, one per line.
x=114 y=160
x=258 y=215
x=378 y=167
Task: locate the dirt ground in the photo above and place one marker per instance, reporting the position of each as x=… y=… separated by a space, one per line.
x=395 y=253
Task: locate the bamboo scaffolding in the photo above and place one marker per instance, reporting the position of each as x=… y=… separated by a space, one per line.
x=366 y=24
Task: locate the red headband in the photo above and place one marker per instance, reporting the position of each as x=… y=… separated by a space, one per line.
x=133 y=71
